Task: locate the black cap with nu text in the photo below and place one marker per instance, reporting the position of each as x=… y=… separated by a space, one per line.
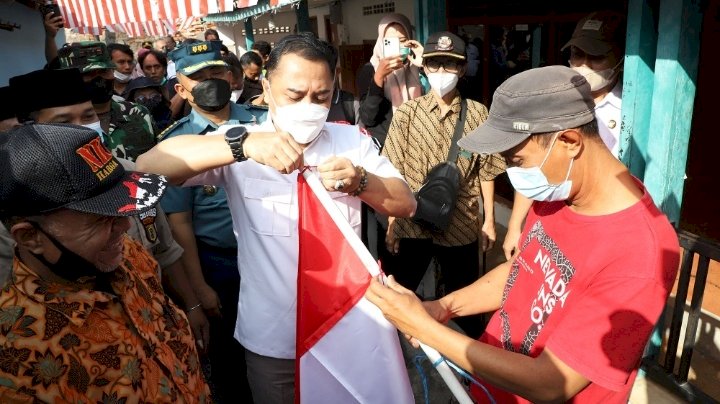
x=50 y=166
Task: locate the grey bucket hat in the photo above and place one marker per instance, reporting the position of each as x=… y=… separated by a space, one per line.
x=541 y=100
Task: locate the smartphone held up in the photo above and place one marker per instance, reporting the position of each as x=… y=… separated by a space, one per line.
x=49 y=6
x=393 y=47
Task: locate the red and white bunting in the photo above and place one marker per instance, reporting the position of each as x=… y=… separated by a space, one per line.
x=154 y=28
x=184 y=23
x=245 y=3
x=88 y=15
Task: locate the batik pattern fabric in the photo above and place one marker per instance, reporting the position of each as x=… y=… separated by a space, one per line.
x=69 y=343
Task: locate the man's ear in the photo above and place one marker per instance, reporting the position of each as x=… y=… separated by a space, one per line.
x=28 y=237
x=180 y=89
x=572 y=140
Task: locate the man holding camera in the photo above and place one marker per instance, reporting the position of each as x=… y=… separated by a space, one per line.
x=420 y=138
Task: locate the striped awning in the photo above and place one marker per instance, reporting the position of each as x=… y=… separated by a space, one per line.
x=247 y=9
x=136 y=17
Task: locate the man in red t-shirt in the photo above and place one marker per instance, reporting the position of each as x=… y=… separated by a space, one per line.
x=576 y=306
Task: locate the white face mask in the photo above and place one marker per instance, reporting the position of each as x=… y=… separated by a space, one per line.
x=533 y=184
x=121 y=77
x=97 y=128
x=302 y=120
x=442 y=82
x=598 y=79
x=235 y=95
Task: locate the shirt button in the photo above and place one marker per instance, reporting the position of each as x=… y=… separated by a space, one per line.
x=612 y=124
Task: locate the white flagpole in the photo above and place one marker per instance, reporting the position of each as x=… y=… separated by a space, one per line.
x=371 y=265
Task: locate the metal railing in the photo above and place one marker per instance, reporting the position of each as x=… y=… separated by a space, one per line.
x=665 y=371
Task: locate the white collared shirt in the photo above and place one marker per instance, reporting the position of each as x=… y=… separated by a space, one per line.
x=608 y=115
x=264 y=208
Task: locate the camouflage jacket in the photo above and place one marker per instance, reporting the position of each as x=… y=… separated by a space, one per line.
x=131 y=130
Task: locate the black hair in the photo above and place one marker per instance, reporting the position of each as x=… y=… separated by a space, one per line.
x=211 y=31
x=189 y=41
x=305 y=45
x=224 y=48
x=233 y=64
x=263 y=47
x=112 y=47
x=158 y=55
x=250 y=58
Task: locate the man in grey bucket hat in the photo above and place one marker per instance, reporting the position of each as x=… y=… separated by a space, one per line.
x=572 y=309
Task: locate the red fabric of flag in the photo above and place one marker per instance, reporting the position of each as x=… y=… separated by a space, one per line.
x=331 y=277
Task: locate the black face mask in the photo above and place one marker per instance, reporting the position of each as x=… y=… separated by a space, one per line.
x=150 y=102
x=69 y=266
x=212 y=94
x=100 y=90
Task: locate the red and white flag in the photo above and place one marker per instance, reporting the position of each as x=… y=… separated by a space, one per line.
x=347 y=352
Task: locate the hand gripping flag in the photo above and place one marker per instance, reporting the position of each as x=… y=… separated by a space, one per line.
x=347 y=352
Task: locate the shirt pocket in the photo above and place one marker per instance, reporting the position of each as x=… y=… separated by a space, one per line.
x=269 y=206
x=349 y=207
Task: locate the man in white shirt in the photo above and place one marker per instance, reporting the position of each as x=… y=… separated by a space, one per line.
x=262 y=194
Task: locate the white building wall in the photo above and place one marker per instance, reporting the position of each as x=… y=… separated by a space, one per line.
x=358 y=27
x=23 y=49
x=355 y=27
x=286 y=18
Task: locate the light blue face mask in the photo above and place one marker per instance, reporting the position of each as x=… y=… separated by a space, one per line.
x=533 y=184
x=97 y=128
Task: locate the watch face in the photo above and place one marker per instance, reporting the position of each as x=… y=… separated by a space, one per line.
x=235 y=133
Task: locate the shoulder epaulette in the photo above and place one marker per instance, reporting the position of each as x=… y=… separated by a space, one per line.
x=253 y=106
x=170 y=128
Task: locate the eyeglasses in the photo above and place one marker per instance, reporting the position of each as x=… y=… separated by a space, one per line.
x=450 y=65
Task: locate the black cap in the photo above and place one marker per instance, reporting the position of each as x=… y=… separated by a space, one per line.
x=8 y=103
x=138 y=83
x=598 y=32
x=444 y=44
x=540 y=100
x=51 y=166
x=66 y=85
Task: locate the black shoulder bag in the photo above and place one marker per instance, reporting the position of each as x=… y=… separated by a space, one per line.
x=437 y=196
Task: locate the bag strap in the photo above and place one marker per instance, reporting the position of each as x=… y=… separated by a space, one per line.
x=459 y=126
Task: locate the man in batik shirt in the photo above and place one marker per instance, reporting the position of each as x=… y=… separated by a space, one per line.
x=84 y=317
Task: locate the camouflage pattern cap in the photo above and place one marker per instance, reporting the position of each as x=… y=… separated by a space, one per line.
x=86 y=56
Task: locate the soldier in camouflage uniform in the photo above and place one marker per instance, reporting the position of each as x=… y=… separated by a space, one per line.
x=128 y=126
